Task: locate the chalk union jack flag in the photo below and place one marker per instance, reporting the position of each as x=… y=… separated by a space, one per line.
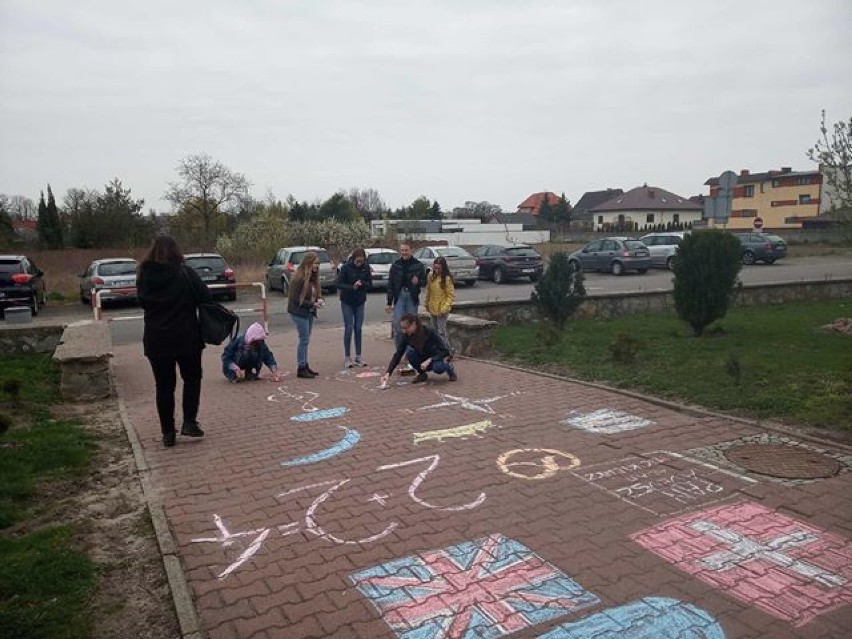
x=479 y=589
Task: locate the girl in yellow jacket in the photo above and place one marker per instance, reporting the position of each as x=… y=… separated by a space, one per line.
x=440 y=295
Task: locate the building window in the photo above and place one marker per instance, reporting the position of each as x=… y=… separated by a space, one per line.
x=649 y=218
x=748 y=190
x=600 y=219
x=749 y=213
x=776 y=184
x=804 y=199
x=801 y=181
x=676 y=218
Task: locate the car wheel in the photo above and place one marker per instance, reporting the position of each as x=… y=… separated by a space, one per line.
x=470 y=282
x=617 y=268
x=670 y=263
x=535 y=278
x=34 y=304
x=574 y=265
x=285 y=287
x=748 y=258
x=83 y=299
x=497 y=276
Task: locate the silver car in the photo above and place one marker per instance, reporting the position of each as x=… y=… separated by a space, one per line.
x=614 y=254
x=462 y=264
x=663 y=247
x=116 y=277
x=281 y=268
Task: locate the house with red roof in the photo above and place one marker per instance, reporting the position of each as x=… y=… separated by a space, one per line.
x=533 y=203
x=643 y=208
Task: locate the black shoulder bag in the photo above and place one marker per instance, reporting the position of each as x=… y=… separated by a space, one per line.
x=216 y=322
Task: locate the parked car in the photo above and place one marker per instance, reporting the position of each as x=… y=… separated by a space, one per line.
x=461 y=263
x=504 y=262
x=213 y=269
x=663 y=247
x=614 y=254
x=21 y=283
x=380 y=260
x=283 y=265
x=761 y=247
x=115 y=276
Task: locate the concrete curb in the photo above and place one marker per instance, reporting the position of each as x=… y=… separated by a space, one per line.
x=178 y=586
x=687 y=409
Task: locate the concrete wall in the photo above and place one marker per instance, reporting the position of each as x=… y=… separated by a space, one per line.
x=29 y=339
x=609 y=305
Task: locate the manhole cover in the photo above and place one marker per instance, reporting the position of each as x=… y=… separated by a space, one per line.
x=778 y=460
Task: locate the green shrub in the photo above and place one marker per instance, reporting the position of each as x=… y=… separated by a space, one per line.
x=705 y=273
x=560 y=291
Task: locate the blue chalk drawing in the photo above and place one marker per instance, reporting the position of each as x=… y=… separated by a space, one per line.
x=350 y=438
x=325 y=413
x=648 y=618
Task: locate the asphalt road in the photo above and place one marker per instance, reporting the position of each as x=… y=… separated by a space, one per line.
x=127 y=326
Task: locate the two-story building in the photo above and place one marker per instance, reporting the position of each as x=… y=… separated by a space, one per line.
x=781 y=198
x=645 y=207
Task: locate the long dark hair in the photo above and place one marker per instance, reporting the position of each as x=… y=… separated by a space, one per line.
x=164 y=250
x=304 y=275
x=445 y=271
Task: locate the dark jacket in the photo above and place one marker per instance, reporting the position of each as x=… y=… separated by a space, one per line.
x=427 y=343
x=346 y=278
x=169 y=296
x=306 y=308
x=401 y=272
x=247 y=358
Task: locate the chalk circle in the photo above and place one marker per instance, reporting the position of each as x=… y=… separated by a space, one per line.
x=368 y=374
x=547 y=461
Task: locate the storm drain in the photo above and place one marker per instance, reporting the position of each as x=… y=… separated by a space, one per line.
x=779 y=460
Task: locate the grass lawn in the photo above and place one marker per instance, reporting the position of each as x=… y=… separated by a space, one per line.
x=45 y=584
x=772 y=362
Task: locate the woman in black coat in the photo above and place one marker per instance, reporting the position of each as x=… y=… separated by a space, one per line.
x=353 y=282
x=169 y=293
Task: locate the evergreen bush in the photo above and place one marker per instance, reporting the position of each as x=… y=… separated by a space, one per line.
x=705 y=274
x=560 y=291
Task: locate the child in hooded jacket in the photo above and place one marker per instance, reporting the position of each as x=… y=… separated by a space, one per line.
x=440 y=296
x=246 y=354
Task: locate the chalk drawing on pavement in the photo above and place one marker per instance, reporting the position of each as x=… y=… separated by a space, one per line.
x=350 y=438
x=320 y=413
x=325 y=491
x=789 y=569
x=489 y=587
x=475 y=429
x=648 y=618
x=478 y=405
x=306 y=397
x=605 y=421
x=535 y=463
x=662 y=483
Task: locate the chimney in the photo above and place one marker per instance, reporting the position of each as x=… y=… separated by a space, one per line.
x=786 y=169
x=744 y=172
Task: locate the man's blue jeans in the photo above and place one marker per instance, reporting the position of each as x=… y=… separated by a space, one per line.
x=353 y=320
x=304 y=325
x=438 y=365
x=404 y=304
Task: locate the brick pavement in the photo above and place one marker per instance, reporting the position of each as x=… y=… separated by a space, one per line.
x=529 y=507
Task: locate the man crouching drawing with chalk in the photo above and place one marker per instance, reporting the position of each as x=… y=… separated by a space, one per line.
x=425 y=350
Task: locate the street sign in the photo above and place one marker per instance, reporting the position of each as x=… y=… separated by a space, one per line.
x=758 y=223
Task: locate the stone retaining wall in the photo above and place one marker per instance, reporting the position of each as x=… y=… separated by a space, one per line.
x=29 y=339
x=84 y=359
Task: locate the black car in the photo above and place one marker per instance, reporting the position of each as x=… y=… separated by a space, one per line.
x=212 y=269
x=504 y=262
x=21 y=283
x=761 y=247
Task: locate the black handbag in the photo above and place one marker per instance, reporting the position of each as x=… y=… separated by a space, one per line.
x=215 y=321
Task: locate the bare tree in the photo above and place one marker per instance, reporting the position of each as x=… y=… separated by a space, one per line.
x=21 y=207
x=207 y=189
x=368 y=203
x=834 y=152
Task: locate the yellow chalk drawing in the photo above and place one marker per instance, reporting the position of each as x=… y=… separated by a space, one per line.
x=543 y=460
x=468 y=430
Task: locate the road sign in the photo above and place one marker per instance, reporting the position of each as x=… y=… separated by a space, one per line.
x=758 y=223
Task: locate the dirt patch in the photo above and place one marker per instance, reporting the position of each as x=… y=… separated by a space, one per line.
x=109 y=509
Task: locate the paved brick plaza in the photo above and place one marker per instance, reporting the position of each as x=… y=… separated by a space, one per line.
x=505 y=504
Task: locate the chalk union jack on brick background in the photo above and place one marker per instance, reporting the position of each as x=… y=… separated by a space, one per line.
x=485 y=589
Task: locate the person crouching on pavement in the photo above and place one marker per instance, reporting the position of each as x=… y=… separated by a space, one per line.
x=424 y=348
x=246 y=354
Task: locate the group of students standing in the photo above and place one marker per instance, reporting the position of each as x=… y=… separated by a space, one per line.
x=169 y=294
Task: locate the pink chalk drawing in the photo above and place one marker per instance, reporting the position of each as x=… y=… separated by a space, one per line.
x=787 y=568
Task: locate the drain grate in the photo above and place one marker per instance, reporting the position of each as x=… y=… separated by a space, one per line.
x=779 y=460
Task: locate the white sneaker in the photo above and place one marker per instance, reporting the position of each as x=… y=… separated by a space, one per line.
x=347 y=363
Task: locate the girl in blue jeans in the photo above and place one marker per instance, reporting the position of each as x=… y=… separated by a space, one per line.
x=303 y=300
x=353 y=281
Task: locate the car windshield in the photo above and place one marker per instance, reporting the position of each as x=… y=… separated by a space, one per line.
x=297 y=256
x=10 y=266
x=452 y=251
x=117 y=268
x=207 y=263
x=522 y=251
x=634 y=245
x=382 y=258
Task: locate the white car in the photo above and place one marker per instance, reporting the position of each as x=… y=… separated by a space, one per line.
x=462 y=264
x=663 y=247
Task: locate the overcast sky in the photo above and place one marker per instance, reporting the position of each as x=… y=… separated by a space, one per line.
x=456 y=100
